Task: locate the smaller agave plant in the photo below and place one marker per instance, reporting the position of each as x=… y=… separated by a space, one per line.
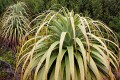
x=74 y=48
x=15 y=25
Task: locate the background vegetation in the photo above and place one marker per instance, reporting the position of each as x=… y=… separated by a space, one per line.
x=107 y=11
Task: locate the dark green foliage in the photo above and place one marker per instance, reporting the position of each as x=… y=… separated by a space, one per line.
x=35 y=6
x=4 y=4
x=7 y=55
x=7 y=64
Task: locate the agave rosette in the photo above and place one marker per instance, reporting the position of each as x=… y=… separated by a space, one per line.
x=74 y=48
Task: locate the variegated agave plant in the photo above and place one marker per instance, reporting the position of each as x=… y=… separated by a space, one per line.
x=15 y=25
x=74 y=48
